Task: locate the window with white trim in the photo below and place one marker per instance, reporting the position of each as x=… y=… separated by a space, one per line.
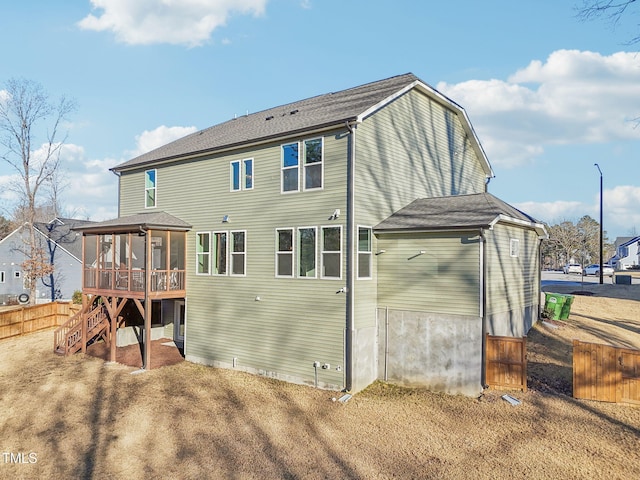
x=150 y=189
x=17 y=274
x=514 y=247
x=2 y=277
x=284 y=252
x=242 y=175
x=313 y=171
x=364 y=252
x=238 y=252
x=290 y=167
x=309 y=165
x=307 y=252
x=331 y=252
x=219 y=250
x=203 y=253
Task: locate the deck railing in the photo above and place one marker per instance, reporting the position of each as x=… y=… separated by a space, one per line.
x=133 y=280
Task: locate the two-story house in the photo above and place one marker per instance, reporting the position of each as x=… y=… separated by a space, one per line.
x=331 y=241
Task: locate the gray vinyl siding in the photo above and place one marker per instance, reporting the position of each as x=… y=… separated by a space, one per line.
x=296 y=321
x=445 y=279
x=412 y=148
x=512 y=282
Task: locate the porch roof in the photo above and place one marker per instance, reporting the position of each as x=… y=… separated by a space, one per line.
x=134 y=223
x=457 y=212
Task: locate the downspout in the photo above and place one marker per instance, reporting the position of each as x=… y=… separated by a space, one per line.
x=350 y=311
x=483 y=307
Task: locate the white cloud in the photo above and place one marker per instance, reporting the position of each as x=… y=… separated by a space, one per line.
x=620 y=207
x=574 y=97
x=552 y=212
x=151 y=139
x=184 y=22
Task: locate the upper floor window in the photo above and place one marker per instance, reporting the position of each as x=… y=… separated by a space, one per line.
x=364 y=252
x=1 y=277
x=308 y=165
x=313 y=164
x=290 y=167
x=242 y=175
x=331 y=252
x=150 y=188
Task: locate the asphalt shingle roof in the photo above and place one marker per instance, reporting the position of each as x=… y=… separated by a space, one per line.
x=478 y=210
x=60 y=230
x=312 y=113
x=148 y=220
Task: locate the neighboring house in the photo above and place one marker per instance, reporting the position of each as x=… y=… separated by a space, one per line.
x=627 y=252
x=61 y=246
x=332 y=241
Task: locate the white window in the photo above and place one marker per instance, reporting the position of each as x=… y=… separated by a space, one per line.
x=284 y=252
x=220 y=253
x=331 y=252
x=364 y=252
x=308 y=165
x=313 y=171
x=238 y=253
x=307 y=252
x=514 y=247
x=203 y=253
x=290 y=167
x=242 y=175
x=150 y=199
x=1 y=277
x=17 y=274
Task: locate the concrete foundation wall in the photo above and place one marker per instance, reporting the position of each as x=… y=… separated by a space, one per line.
x=440 y=352
x=132 y=335
x=365 y=358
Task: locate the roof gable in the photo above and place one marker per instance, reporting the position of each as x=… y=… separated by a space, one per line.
x=326 y=111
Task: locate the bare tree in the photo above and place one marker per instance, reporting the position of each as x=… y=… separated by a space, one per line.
x=611 y=10
x=25 y=109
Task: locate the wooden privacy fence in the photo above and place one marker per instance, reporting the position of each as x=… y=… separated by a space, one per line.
x=506 y=362
x=606 y=373
x=23 y=320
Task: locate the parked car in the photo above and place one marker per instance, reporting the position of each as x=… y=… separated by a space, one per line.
x=572 y=268
x=594 y=269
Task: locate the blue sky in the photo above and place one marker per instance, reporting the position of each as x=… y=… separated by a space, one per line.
x=548 y=95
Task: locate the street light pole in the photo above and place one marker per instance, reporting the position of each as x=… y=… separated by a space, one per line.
x=601 y=229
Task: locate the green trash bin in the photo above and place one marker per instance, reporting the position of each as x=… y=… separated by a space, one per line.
x=553 y=305
x=566 y=307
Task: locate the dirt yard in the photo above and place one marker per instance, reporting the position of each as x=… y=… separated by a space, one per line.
x=79 y=417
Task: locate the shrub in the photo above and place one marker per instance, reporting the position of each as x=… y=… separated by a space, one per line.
x=77 y=297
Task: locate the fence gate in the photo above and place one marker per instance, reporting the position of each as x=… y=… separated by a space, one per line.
x=506 y=362
x=606 y=373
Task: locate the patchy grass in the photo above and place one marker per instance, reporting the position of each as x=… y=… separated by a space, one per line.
x=83 y=418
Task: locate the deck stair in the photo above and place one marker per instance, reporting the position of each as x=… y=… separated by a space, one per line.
x=69 y=337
